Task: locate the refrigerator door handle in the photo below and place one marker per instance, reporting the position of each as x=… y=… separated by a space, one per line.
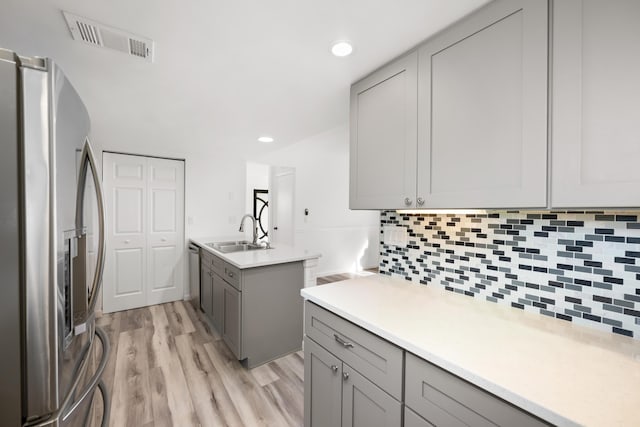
x=93 y=383
x=87 y=161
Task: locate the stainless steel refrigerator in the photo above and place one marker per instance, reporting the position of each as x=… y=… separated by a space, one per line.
x=51 y=250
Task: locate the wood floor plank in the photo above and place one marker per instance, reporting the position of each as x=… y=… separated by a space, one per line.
x=204 y=332
x=179 y=320
x=190 y=376
x=132 y=405
x=284 y=394
x=263 y=374
x=159 y=403
x=201 y=394
x=166 y=357
x=251 y=401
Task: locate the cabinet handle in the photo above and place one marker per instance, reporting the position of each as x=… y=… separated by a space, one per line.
x=230 y=274
x=345 y=375
x=408 y=201
x=334 y=368
x=345 y=344
x=420 y=201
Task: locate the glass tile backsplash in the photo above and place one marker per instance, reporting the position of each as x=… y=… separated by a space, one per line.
x=578 y=266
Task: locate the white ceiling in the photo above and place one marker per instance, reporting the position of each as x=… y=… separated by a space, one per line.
x=224 y=72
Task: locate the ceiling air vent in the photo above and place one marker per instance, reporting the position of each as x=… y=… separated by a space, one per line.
x=94 y=33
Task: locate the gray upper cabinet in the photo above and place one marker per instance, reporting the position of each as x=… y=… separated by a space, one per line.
x=384 y=136
x=482 y=110
x=596 y=113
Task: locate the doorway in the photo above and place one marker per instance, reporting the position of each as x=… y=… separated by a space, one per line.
x=282 y=205
x=144 y=199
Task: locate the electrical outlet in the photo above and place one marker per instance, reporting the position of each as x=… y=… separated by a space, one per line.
x=396 y=236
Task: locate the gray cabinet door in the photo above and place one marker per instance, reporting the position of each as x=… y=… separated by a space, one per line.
x=383 y=137
x=206 y=282
x=232 y=313
x=322 y=386
x=217 y=305
x=411 y=419
x=482 y=110
x=377 y=359
x=364 y=404
x=595 y=115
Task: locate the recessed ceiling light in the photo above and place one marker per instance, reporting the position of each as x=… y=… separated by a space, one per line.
x=341 y=48
x=265 y=139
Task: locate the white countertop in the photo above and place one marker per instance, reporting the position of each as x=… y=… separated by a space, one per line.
x=279 y=254
x=566 y=374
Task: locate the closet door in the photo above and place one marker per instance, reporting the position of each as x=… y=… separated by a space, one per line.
x=165 y=236
x=125 y=268
x=145 y=231
x=596 y=93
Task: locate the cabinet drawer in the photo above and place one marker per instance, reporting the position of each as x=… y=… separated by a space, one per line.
x=231 y=275
x=217 y=265
x=372 y=356
x=206 y=257
x=444 y=399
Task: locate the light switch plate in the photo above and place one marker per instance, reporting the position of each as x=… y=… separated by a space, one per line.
x=393 y=235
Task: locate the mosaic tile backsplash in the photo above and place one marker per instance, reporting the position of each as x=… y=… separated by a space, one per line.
x=581 y=267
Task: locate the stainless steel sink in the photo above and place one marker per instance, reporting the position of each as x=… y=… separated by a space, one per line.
x=235 y=246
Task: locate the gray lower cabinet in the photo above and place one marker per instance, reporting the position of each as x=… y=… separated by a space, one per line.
x=351 y=379
x=364 y=404
x=217 y=304
x=444 y=399
x=351 y=375
x=322 y=387
x=411 y=419
x=337 y=395
x=232 y=318
x=206 y=289
x=258 y=311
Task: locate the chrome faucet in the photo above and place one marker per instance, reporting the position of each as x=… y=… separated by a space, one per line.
x=255 y=227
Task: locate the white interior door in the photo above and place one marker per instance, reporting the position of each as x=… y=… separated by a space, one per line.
x=282 y=204
x=145 y=231
x=165 y=237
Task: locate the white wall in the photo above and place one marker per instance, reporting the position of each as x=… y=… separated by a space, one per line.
x=348 y=240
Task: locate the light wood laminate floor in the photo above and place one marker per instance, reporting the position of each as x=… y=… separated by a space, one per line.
x=168 y=368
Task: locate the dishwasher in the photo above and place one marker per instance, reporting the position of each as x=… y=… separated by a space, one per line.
x=194 y=275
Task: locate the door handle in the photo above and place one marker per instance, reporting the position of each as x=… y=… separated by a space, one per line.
x=87 y=161
x=345 y=344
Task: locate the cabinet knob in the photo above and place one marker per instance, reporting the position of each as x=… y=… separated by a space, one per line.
x=420 y=201
x=345 y=375
x=127 y=241
x=408 y=201
x=334 y=368
x=230 y=274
